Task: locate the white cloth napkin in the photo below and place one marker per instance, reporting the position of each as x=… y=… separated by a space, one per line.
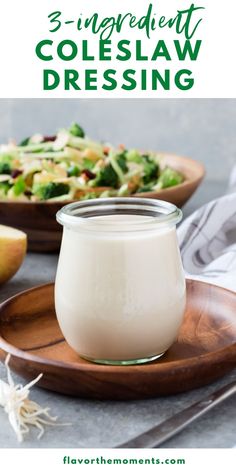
x=207 y=241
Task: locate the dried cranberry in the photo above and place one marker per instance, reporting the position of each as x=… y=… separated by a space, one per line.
x=89 y=174
x=49 y=138
x=15 y=173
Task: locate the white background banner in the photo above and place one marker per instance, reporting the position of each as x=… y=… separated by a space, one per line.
x=23 y=24
x=116 y=460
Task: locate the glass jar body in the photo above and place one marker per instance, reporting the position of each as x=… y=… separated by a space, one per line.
x=120 y=295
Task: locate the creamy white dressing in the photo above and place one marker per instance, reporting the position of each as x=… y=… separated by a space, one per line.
x=120 y=295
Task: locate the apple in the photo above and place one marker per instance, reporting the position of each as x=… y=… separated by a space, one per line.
x=13 y=244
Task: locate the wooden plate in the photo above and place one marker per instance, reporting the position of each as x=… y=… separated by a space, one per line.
x=38 y=219
x=205 y=350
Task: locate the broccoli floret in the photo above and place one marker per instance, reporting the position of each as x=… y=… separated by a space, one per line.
x=146 y=188
x=76 y=130
x=122 y=161
x=169 y=178
x=150 y=168
x=4 y=187
x=5 y=168
x=134 y=156
x=5 y=164
x=24 y=142
x=106 y=177
x=73 y=171
x=112 y=174
x=50 y=190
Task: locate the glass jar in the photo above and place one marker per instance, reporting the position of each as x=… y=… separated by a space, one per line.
x=120 y=287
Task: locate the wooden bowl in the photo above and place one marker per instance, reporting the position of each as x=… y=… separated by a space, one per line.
x=44 y=233
x=205 y=349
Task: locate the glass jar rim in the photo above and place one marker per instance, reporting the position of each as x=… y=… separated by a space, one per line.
x=83 y=214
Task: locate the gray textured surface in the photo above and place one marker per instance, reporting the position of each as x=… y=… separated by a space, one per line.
x=203 y=129
x=106 y=424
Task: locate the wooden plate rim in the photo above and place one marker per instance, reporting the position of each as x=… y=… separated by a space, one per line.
x=201 y=360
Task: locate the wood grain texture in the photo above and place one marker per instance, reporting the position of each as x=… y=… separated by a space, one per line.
x=204 y=351
x=44 y=233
